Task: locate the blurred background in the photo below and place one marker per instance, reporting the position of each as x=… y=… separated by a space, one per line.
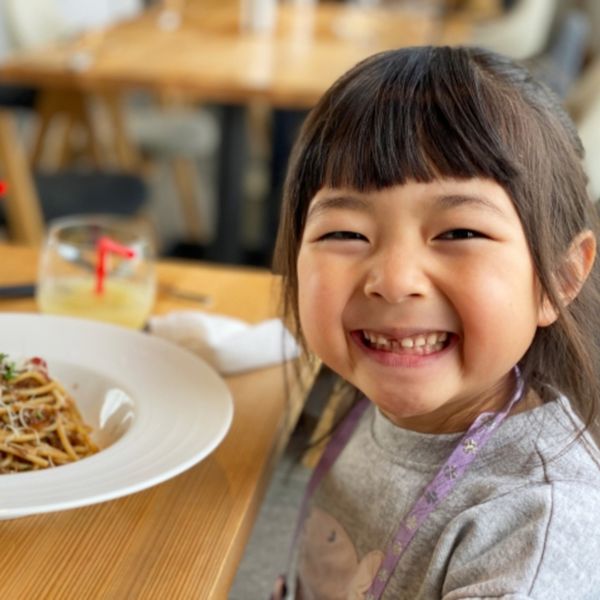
x=184 y=111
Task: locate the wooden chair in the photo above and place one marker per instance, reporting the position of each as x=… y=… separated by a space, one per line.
x=36 y=197
x=151 y=134
x=178 y=133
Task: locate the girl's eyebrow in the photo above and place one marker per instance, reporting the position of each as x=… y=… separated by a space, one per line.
x=449 y=201
x=339 y=201
x=361 y=204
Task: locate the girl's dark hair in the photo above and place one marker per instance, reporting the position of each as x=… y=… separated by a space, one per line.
x=428 y=112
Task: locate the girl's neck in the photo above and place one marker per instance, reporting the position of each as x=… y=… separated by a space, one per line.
x=453 y=419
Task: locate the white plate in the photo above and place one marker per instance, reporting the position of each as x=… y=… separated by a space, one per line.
x=156 y=410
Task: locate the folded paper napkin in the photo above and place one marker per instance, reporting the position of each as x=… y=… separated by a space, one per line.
x=228 y=344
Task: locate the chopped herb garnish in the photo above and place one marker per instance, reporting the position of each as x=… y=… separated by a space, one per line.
x=9 y=371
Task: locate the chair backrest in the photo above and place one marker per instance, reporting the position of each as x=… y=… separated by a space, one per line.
x=520 y=33
x=560 y=64
x=569 y=41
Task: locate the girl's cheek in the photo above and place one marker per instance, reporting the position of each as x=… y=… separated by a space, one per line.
x=311 y=324
x=311 y=296
x=310 y=277
x=316 y=305
x=306 y=291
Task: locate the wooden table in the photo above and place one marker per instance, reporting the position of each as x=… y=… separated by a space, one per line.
x=183 y=538
x=210 y=58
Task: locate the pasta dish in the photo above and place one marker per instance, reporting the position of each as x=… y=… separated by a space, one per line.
x=40 y=425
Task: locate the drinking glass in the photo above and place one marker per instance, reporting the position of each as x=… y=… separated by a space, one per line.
x=98 y=267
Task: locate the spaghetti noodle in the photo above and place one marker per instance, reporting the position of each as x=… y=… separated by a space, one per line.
x=40 y=425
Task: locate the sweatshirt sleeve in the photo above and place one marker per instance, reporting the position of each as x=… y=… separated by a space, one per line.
x=539 y=542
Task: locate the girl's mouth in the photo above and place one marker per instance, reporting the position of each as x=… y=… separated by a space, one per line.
x=420 y=344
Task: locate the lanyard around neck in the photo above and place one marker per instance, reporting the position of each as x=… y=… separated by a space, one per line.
x=464 y=453
x=441 y=485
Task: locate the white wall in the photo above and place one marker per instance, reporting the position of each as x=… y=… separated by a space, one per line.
x=84 y=14
x=27 y=23
x=5 y=44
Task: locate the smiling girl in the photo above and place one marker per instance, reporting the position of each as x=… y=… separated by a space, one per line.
x=437 y=245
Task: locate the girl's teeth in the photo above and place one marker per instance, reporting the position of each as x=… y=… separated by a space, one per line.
x=420 y=344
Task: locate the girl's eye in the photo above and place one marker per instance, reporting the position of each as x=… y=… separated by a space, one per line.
x=460 y=234
x=343 y=235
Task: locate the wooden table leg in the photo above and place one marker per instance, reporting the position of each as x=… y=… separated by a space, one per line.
x=228 y=247
x=21 y=204
x=184 y=174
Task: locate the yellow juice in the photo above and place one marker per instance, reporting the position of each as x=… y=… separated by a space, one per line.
x=122 y=302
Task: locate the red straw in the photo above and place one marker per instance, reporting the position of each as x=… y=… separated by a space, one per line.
x=104 y=246
x=3 y=187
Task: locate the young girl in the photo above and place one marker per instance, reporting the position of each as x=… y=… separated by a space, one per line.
x=437 y=245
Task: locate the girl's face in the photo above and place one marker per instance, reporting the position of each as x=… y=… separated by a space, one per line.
x=423 y=296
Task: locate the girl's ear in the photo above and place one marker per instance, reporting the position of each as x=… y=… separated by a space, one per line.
x=571 y=275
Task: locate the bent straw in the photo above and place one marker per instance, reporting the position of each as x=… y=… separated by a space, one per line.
x=104 y=246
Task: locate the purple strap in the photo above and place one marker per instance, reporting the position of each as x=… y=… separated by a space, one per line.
x=440 y=487
x=333 y=449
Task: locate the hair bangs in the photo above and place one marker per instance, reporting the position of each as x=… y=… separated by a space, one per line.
x=420 y=121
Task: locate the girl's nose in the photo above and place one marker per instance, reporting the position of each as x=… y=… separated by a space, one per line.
x=396 y=276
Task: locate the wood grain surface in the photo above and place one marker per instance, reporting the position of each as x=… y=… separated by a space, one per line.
x=183 y=538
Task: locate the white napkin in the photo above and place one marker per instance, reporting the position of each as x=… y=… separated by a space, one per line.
x=228 y=344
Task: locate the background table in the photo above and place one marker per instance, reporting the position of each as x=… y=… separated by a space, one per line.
x=183 y=538
x=208 y=57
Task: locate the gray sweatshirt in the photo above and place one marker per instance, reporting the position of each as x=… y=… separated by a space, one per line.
x=523 y=522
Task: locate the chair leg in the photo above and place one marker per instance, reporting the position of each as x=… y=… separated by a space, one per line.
x=127 y=155
x=71 y=106
x=39 y=142
x=22 y=207
x=67 y=152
